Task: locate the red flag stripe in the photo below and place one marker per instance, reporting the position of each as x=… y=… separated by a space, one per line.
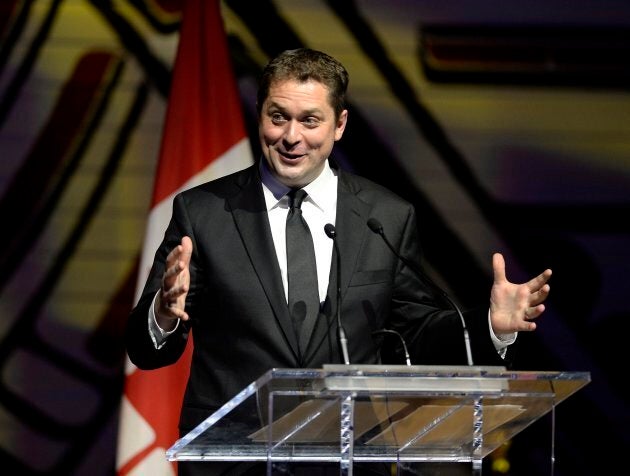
x=203 y=131
x=204 y=117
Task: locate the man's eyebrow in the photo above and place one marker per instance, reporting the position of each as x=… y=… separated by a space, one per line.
x=312 y=111
x=307 y=112
x=273 y=103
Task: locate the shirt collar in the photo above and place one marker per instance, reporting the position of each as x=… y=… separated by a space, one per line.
x=321 y=191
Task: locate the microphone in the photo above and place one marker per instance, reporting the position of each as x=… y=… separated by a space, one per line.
x=377 y=228
x=402 y=341
x=331 y=233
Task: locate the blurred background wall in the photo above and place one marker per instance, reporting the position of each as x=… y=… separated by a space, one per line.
x=506 y=123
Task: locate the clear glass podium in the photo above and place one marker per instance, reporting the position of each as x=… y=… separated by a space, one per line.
x=398 y=414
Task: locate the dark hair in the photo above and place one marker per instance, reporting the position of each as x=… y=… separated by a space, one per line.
x=302 y=65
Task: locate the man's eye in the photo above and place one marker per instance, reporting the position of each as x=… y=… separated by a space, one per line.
x=311 y=121
x=277 y=118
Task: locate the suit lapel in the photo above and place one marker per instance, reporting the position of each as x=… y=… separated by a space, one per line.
x=250 y=214
x=351 y=227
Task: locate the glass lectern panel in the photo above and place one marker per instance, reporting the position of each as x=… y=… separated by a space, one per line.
x=376 y=413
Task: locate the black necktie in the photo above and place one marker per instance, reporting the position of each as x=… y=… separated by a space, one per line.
x=303 y=296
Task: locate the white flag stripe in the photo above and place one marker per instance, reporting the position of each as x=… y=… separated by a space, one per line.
x=133 y=423
x=153 y=464
x=236 y=158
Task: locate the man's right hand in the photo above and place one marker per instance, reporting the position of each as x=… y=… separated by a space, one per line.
x=171 y=300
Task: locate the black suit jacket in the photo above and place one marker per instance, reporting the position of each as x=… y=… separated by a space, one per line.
x=239 y=316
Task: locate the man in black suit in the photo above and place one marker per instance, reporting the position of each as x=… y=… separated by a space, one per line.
x=221 y=269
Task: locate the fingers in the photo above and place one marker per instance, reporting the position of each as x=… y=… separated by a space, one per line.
x=170 y=296
x=528 y=326
x=539 y=291
x=539 y=281
x=172 y=283
x=176 y=281
x=498 y=267
x=539 y=296
x=536 y=299
x=537 y=286
x=177 y=261
x=515 y=307
x=181 y=252
x=530 y=315
x=534 y=312
x=168 y=311
x=186 y=249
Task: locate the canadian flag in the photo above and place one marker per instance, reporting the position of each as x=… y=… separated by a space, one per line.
x=204 y=138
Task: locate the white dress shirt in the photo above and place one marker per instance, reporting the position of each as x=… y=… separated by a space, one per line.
x=318 y=209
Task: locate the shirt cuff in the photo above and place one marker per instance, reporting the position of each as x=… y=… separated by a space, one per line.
x=501 y=341
x=158 y=335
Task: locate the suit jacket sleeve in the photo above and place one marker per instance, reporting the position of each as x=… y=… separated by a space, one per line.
x=139 y=345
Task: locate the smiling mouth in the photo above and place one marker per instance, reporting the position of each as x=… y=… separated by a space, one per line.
x=290 y=157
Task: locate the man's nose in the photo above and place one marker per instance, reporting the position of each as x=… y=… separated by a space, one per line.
x=292 y=132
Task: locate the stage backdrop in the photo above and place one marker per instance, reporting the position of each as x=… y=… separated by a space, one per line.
x=507 y=124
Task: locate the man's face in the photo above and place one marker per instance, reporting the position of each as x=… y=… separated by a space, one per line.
x=297 y=130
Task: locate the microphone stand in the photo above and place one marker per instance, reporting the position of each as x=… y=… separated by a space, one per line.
x=377 y=228
x=330 y=231
x=402 y=341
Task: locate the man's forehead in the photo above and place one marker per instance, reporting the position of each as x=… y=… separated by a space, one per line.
x=309 y=95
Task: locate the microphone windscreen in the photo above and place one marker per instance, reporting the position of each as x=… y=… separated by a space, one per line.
x=330 y=231
x=375 y=225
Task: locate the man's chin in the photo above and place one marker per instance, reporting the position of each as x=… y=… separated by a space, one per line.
x=291 y=176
